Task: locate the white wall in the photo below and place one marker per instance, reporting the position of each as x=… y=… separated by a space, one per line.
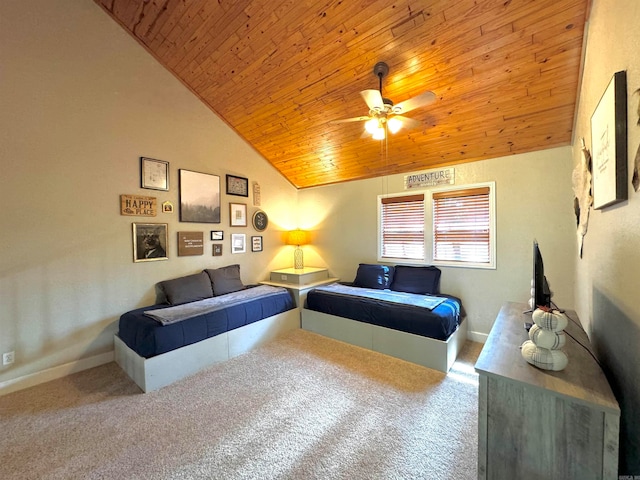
x=607 y=276
x=81 y=101
x=534 y=200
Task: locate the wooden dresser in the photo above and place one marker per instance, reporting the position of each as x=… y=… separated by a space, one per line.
x=538 y=424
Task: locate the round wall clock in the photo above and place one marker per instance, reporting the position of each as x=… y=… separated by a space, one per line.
x=260 y=220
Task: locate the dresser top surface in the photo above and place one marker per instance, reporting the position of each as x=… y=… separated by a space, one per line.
x=582 y=379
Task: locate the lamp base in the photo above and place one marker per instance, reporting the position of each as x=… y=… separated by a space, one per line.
x=298 y=262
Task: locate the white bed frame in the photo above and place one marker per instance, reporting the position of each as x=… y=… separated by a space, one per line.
x=156 y=372
x=428 y=352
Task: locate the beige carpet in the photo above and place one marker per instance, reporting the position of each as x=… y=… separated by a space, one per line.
x=303 y=407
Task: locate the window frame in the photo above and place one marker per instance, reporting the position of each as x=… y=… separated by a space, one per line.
x=429 y=236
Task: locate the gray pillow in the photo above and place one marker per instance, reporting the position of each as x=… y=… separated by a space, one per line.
x=187 y=289
x=225 y=279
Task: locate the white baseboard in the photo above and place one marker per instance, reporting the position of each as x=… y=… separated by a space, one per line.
x=477 y=337
x=54 y=373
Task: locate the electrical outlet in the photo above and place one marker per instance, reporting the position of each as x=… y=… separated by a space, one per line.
x=8 y=358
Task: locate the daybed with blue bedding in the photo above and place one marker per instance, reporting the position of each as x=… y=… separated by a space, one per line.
x=201 y=319
x=397 y=310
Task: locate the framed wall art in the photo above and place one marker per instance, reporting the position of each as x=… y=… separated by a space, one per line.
x=260 y=221
x=609 y=144
x=199 y=197
x=256 y=244
x=154 y=174
x=217 y=249
x=238 y=243
x=217 y=235
x=150 y=242
x=237 y=186
x=238 y=214
x=190 y=243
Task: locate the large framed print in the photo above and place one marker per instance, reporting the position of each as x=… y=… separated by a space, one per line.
x=199 y=197
x=150 y=242
x=237 y=186
x=609 y=144
x=154 y=174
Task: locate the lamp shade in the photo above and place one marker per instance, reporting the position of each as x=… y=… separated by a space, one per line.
x=297 y=237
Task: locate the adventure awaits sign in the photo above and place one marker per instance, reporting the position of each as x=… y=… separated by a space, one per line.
x=429 y=178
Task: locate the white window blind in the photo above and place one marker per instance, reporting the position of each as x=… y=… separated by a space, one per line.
x=402 y=227
x=462 y=226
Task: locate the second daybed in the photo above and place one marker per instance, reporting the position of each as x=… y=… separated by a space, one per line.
x=397 y=310
x=200 y=320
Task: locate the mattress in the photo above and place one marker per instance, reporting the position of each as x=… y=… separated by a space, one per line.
x=370 y=306
x=148 y=337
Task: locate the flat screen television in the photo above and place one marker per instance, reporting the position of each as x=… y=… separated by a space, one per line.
x=540 y=292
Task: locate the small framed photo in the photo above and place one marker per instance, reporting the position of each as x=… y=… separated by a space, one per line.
x=256 y=244
x=217 y=235
x=167 y=207
x=237 y=186
x=238 y=214
x=217 y=249
x=154 y=174
x=150 y=242
x=238 y=243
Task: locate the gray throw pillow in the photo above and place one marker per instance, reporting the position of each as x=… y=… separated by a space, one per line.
x=225 y=279
x=187 y=289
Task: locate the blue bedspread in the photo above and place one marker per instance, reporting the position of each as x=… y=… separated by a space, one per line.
x=434 y=316
x=148 y=337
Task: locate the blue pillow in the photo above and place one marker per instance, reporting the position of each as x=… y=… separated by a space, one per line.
x=425 y=280
x=373 y=276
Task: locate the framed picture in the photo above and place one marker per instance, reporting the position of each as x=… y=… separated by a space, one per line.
x=609 y=144
x=217 y=249
x=260 y=221
x=238 y=243
x=237 y=186
x=199 y=197
x=150 y=242
x=167 y=207
x=238 y=214
x=256 y=244
x=217 y=235
x=190 y=243
x=154 y=174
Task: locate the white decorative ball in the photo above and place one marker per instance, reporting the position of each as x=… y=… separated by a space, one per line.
x=543 y=358
x=550 y=320
x=546 y=338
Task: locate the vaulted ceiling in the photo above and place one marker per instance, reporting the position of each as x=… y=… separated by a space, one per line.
x=505 y=74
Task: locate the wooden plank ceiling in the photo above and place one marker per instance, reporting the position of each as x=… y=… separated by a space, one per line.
x=505 y=74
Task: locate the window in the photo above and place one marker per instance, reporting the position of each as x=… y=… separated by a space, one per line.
x=402 y=227
x=457 y=224
x=462 y=226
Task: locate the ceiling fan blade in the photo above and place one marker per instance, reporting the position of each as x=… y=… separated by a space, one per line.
x=416 y=102
x=373 y=99
x=352 y=119
x=408 y=122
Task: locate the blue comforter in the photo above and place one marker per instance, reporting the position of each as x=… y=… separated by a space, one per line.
x=148 y=337
x=434 y=316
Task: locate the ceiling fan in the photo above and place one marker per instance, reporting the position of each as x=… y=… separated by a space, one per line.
x=383 y=114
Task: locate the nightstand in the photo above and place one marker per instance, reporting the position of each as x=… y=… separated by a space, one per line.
x=299 y=281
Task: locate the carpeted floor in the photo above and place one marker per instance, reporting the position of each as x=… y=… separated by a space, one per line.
x=302 y=407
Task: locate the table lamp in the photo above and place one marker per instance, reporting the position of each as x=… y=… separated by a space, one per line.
x=297 y=237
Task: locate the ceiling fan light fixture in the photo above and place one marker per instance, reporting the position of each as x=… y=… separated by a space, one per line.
x=371 y=125
x=394 y=125
x=378 y=134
